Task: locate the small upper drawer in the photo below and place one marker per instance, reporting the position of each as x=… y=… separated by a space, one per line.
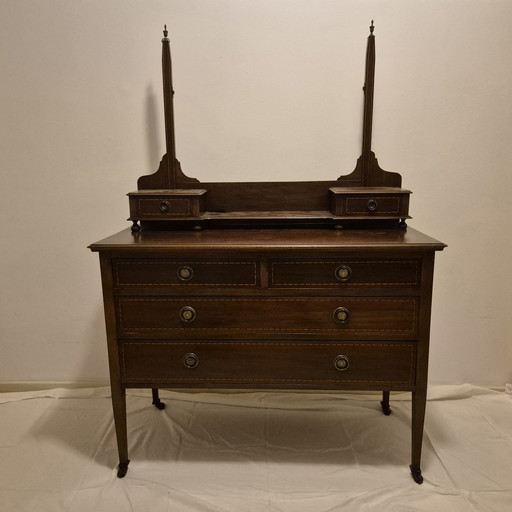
x=382 y=205
x=166 y=272
x=166 y=204
x=353 y=272
x=366 y=202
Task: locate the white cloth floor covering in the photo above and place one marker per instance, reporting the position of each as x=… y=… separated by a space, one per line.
x=252 y=452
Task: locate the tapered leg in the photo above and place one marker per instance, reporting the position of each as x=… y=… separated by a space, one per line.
x=419 y=401
x=119 y=407
x=385 y=403
x=156 y=399
x=117 y=390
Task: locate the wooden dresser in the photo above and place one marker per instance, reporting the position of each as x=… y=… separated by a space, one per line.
x=316 y=285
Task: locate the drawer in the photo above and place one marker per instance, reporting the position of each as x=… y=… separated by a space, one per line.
x=340 y=273
x=383 y=205
x=364 y=202
x=165 y=272
x=166 y=204
x=259 y=317
x=269 y=364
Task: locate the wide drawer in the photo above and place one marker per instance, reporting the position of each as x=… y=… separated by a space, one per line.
x=168 y=272
x=258 y=317
x=269 y=364
x=342 y=273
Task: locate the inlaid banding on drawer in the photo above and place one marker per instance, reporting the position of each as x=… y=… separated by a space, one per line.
x=361 y=273
x=276 y=363
x=221 y=316
x=185 y=273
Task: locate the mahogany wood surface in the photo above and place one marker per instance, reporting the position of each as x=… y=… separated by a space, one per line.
x=266 y=364
x=271 y=239
x=268 y=309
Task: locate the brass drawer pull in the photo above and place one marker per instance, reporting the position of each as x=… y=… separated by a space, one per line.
x=190 y=360
x=165 y=206
x=341 y=363
x=188 y=314
x=343 y=273
x=341 y=315
x=371 y=205
x=185 y=273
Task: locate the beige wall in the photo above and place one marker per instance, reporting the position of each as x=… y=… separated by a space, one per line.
x=264 y=90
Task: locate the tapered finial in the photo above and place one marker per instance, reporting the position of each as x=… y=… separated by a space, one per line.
x=165 y=38
x=371 y=28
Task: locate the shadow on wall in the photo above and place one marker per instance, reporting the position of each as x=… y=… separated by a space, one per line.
x=153 y=124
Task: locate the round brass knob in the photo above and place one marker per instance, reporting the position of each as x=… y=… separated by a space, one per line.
x=341 y=363
x=185 y=273
x=371 y=205
x=341 y=315
x=165 y=206
x=343 y=273
x=190 y=360
x=188 y=314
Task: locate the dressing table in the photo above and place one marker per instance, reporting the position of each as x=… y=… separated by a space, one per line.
x=315 y=285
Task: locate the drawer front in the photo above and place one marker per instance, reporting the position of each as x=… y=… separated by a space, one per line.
x=340 y=273
x=269 y=364
x=237 y=317
x=376 y=205
x=370 y=202
x=164 y=207
x=132 y=272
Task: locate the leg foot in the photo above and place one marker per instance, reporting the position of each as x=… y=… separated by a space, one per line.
x=122 y=469
x=385 y=403
x=385 y=408
x=156 y=400
x=416 y=474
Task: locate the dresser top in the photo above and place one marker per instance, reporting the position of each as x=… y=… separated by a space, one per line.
x=245 y=239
